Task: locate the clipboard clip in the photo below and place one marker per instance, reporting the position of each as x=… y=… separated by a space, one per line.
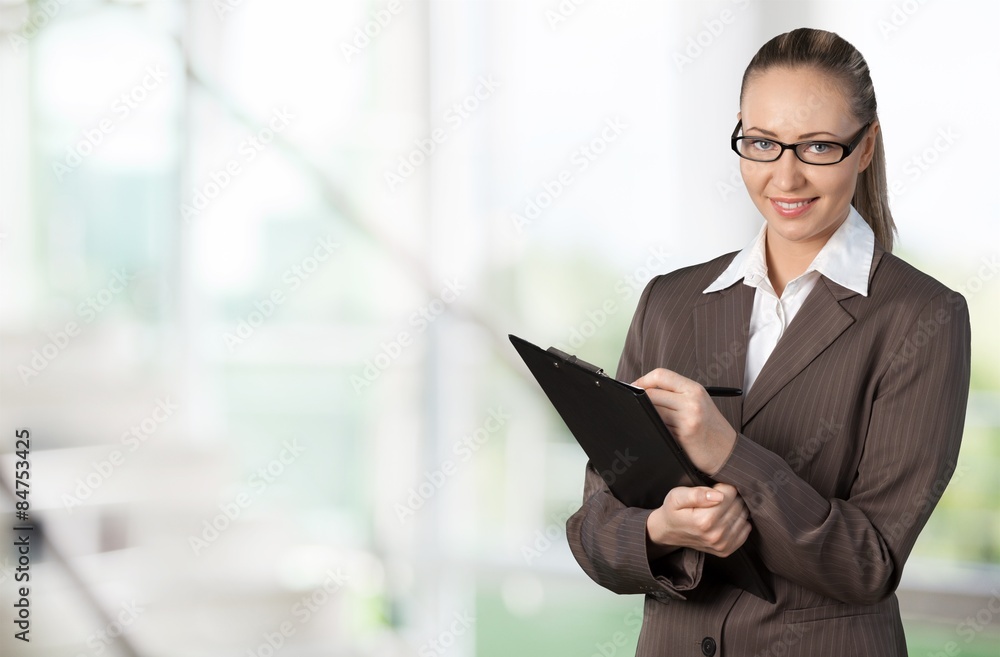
x=569 y=358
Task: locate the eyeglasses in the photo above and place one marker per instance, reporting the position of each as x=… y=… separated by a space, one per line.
x=821 y=153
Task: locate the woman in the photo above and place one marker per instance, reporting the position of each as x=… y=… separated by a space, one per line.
x=855 y=372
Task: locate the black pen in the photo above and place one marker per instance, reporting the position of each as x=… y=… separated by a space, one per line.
x=721 y=391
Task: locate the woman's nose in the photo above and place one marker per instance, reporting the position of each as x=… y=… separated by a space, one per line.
x=788 y=172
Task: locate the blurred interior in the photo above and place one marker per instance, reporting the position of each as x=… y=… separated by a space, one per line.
x=258 y=261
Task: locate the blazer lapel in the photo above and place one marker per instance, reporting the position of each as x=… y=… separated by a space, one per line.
x=721 y=322
x=818 y=323
x=820 y=320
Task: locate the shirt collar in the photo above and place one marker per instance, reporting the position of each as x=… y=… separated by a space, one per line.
x=845 y=259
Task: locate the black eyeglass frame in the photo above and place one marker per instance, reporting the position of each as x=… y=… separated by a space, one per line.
x=847 y=148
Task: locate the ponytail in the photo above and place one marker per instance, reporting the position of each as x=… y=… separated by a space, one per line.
x=871 y=197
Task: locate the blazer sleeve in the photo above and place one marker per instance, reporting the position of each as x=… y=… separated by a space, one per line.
x=607 y=538
x=853 y=549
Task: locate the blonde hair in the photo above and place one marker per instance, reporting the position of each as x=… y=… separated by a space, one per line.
x=829 y=53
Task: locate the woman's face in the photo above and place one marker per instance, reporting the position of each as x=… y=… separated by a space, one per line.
x=803 y=204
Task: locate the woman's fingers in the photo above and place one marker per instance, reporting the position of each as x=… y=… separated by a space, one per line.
x=665 y=379
x=713 y=520
x=699 y=497
x=692 y=417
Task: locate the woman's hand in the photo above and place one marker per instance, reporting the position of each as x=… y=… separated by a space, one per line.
x=692 y=417
x=713 y=520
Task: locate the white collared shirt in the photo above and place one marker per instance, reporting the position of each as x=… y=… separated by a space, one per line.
x=846 y=259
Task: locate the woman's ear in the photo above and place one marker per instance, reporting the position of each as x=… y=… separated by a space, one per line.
x=868 y=146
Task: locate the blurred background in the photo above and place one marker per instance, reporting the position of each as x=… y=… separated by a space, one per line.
x=259 y=260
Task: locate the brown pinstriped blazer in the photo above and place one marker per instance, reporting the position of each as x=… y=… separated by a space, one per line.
x=847 y=439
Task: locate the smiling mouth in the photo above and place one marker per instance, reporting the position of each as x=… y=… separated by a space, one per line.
x=791 y=206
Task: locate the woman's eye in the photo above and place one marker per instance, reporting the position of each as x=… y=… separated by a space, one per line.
x=762 y=144
x=819 y=148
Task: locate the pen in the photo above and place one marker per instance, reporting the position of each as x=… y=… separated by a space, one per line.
x=720 y=391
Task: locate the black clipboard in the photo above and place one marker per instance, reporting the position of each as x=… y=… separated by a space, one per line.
x=628 y=444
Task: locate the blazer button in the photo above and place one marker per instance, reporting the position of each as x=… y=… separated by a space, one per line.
x=708 y=646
